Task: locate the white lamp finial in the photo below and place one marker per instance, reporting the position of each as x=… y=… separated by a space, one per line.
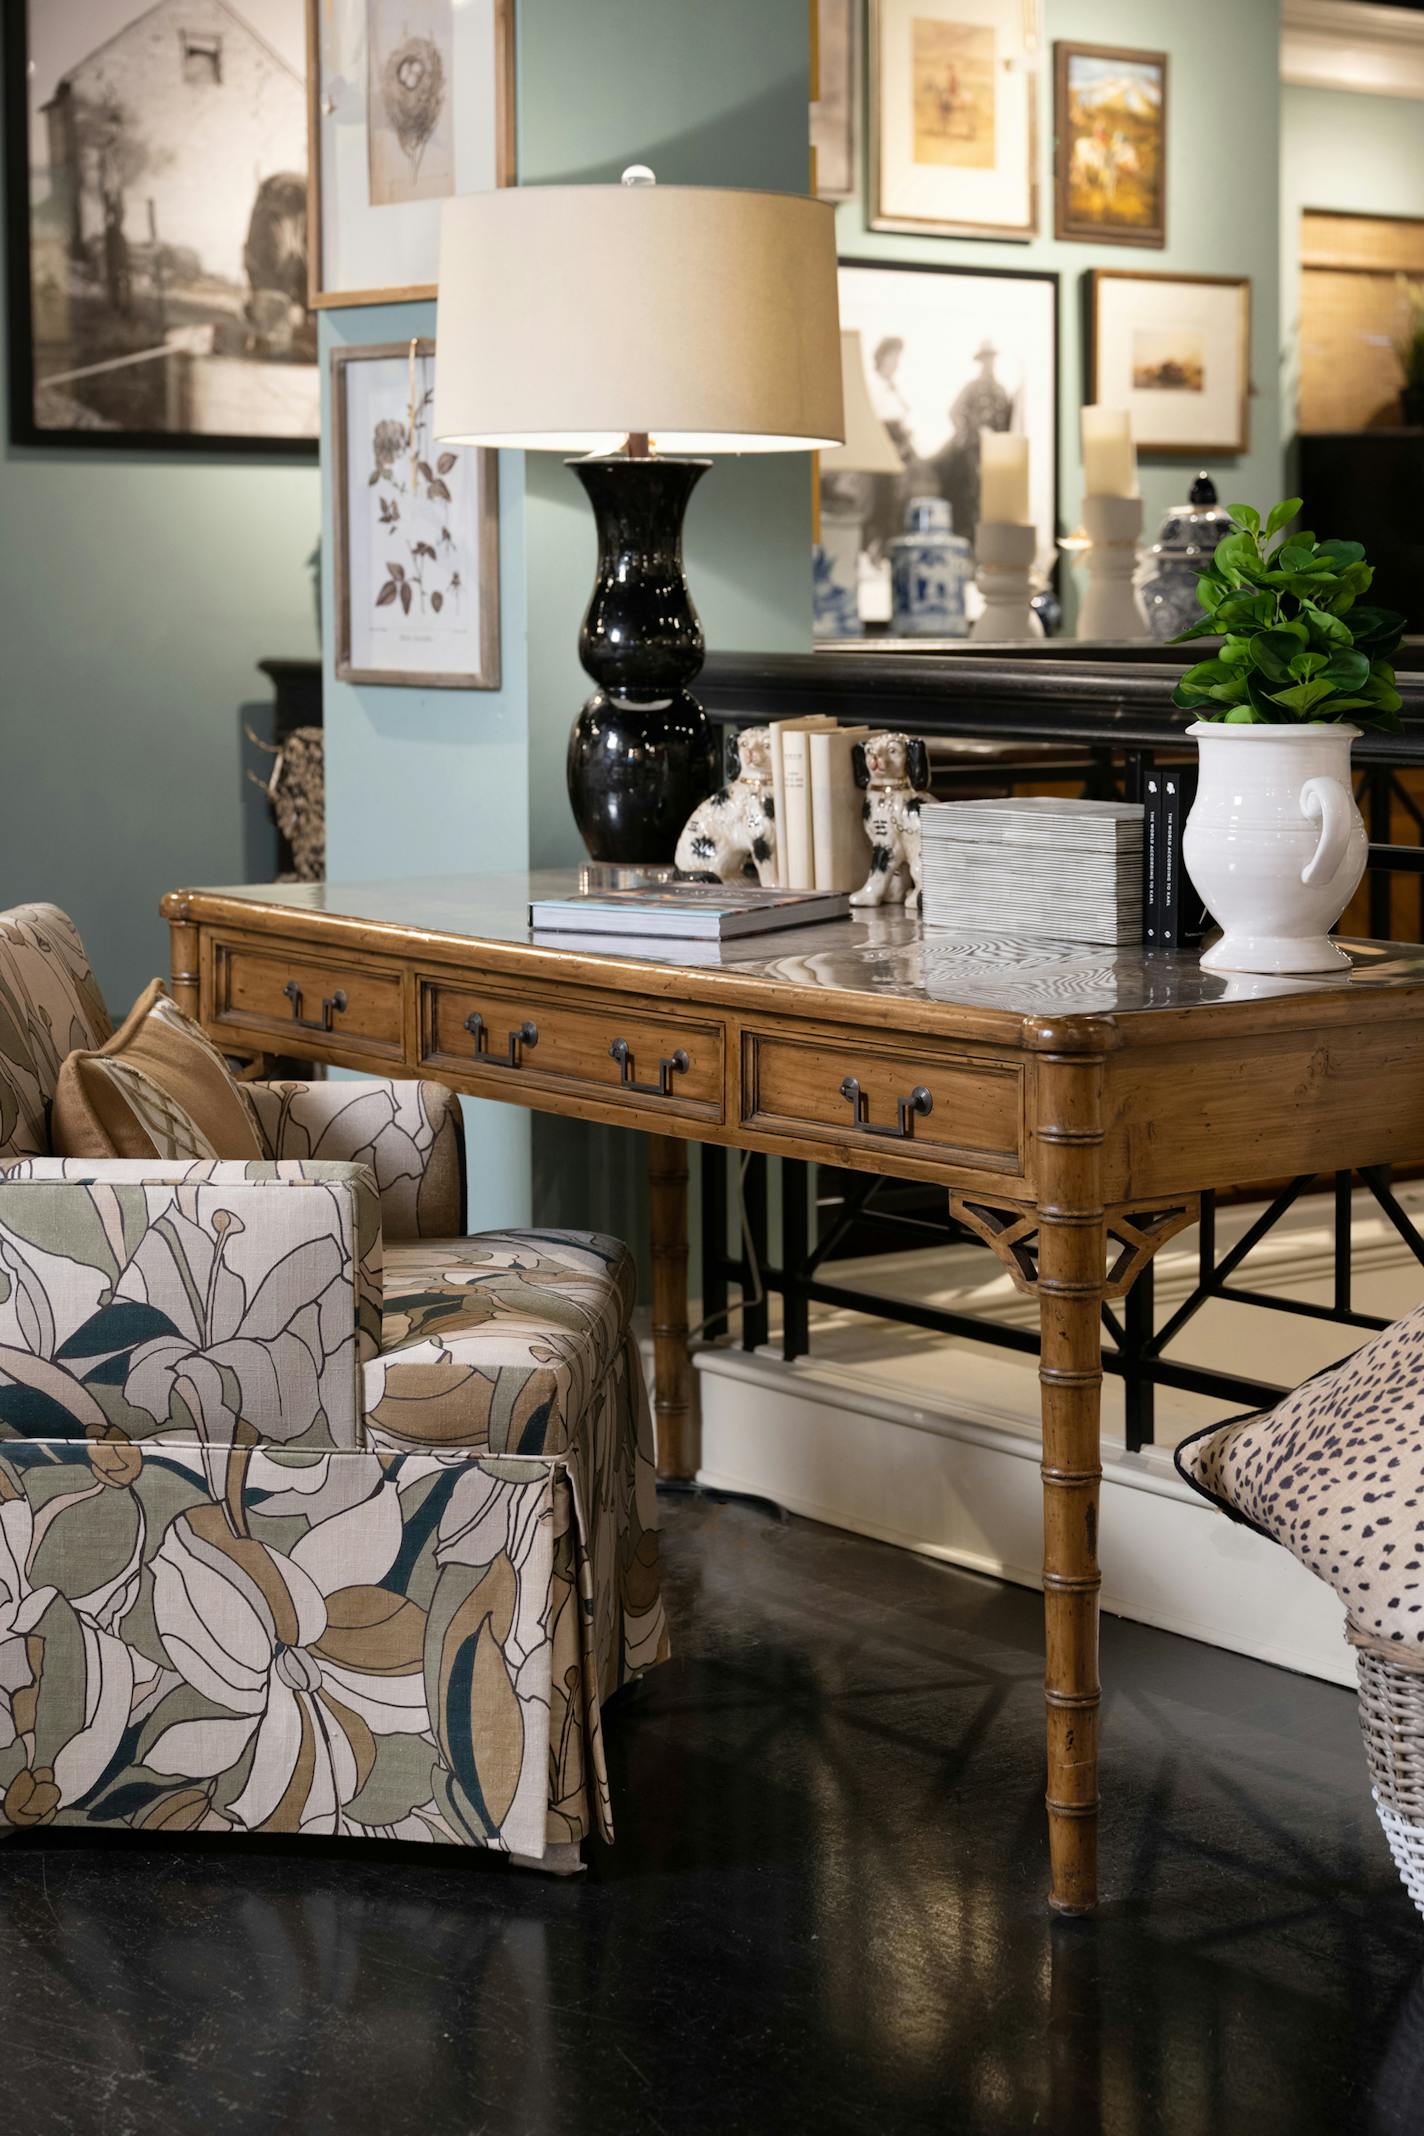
x=638 y=174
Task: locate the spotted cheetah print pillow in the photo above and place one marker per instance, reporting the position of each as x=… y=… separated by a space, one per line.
x=1336 y=1473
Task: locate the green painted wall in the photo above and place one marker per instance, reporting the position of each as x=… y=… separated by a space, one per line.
x=138 y=593
x=1222 y=188
x=1360 y=154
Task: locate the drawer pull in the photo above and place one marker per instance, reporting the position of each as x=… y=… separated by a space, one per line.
x=919 y=1101
x=672 y=1064
x=526 y=1035
x=332 y=1005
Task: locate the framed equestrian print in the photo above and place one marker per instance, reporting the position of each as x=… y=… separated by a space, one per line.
x=156 y=192
x=409 y=102
x=416 y=530
x=953 y=96
x=1110 y=163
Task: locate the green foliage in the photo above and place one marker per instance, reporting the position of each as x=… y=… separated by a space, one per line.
x=1409 y=346
x=1288 y=654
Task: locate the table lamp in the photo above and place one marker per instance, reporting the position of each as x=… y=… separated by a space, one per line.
x=642 y=327
x=869 y=449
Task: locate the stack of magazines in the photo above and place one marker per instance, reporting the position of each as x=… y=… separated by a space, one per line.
x=1035 y=866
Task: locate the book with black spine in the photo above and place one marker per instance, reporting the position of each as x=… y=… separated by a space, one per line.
x=1152 y=806
x=1186 y=918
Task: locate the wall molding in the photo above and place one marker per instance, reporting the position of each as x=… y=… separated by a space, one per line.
x=1339 y=44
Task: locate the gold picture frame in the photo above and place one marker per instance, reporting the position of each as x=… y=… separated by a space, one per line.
x=1114 y=163
x=1181 y=363
x=322 y=298
x=949 y=77
x=482 y=530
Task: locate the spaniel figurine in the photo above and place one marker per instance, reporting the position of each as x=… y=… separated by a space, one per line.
x=733 y=833
x=895 y=771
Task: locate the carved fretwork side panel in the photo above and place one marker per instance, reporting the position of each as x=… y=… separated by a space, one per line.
x=1134 y=1235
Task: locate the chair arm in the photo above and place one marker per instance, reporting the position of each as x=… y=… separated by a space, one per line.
x=410 y=1134
x=145 y=1299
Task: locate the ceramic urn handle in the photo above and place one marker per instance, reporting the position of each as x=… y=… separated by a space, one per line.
x=1329 y=803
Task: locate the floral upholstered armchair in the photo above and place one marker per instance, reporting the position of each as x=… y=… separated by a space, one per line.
x=315 y=1517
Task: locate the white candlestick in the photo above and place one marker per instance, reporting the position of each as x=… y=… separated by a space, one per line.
x=1109 y=460
x=1003 y=478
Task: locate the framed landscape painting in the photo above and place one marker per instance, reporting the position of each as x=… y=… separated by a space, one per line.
x=156 y=185
x=409 y=103
x=1110 y=119
x=417 y=530
x=1176 y=351
x=949 y=352
x=953 y=100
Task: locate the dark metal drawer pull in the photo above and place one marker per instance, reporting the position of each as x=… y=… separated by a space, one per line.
x=332 y=1005
x=919 y=1101
x=671 y=1065
x=526 y=1035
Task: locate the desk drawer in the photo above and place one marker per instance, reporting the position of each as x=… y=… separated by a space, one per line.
x=861 y=1091
x=529 y=1037
x=304 y=1000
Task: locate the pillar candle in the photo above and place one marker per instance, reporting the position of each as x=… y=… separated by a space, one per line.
x=1109 y=460
x=1003 y=477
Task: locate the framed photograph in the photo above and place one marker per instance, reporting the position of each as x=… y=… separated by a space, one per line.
x=156 y=182
x=1110 y=123
x=409 y=102
x=1176 y=350
x=953 y=99
x=948 y=352
x=417 y=530
x=835 y=113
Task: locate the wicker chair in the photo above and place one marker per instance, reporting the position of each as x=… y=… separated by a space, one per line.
x=315 y=1517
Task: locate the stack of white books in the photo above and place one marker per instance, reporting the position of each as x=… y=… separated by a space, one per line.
x=820 y=827
x=1035 y=866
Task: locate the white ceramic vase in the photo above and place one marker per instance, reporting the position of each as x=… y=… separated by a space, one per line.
x=1275 y=844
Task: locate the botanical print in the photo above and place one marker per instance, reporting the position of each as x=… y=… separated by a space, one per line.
x=410 y=48
x=953 y=88
x=410 y=577
x=1112 y=151
x=166 y=234
x=1168 y=360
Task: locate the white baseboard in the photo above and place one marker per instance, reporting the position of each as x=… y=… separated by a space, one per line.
x=933 y=1445
x=967 y=1491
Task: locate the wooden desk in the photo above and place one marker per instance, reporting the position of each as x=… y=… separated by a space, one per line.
x=1072 y=1102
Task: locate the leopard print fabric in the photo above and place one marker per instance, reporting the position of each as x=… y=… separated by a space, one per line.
x=1335 y=1472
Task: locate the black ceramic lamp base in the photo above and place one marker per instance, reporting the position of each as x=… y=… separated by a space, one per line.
x=642 y=753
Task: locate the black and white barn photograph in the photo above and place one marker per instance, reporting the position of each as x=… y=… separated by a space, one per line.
x=157 y=220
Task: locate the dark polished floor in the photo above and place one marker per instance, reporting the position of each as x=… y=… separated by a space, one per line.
x=825 y=1912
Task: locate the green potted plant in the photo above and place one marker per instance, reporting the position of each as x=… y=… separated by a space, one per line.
x=1274 y=842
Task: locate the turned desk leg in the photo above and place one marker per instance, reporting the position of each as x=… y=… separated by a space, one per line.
x=1071 y=1281
x=679 y=1448
x=183 y=965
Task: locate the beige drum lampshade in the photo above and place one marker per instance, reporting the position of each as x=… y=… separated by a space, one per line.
x=869 y=448
x=570 y=316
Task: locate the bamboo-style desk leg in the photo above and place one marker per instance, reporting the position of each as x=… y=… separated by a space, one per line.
x=679 y=1448
x=1072 y=1246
